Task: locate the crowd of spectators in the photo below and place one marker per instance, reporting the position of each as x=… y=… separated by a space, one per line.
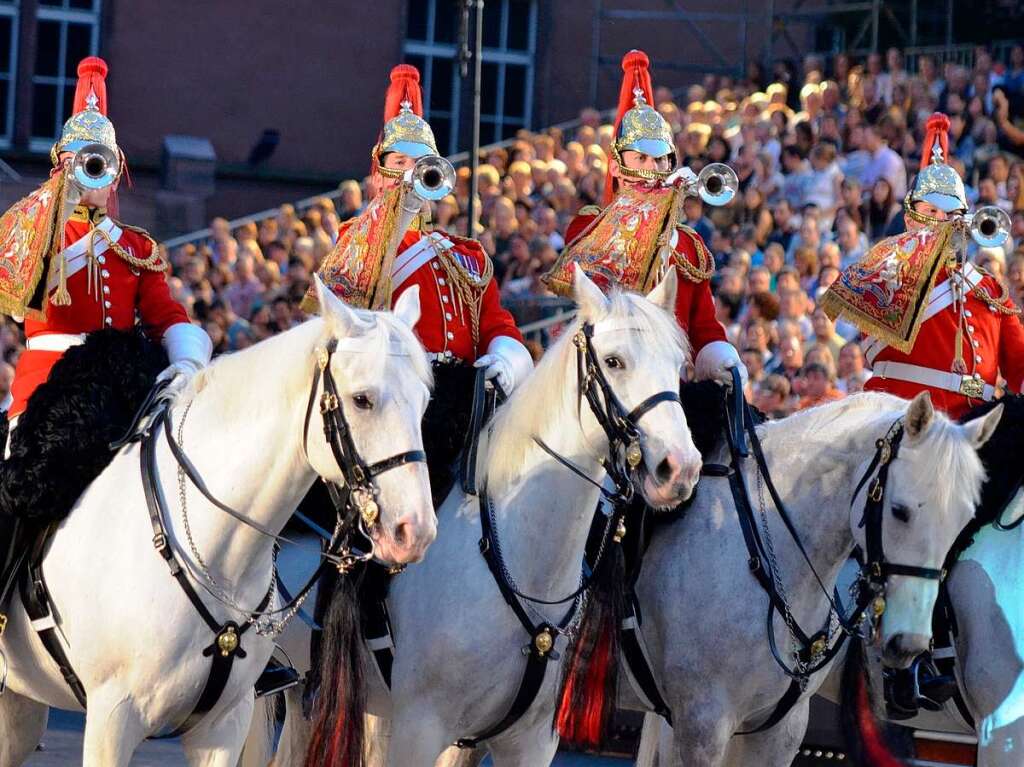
x=824 y=152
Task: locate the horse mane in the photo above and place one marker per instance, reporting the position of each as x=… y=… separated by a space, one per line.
x=234 y=370
x=1001 y=456
x=946 y=452
x=551 y=388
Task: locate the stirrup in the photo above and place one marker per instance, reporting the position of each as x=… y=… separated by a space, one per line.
x=276 y=677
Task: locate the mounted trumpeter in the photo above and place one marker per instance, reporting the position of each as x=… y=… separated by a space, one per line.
x=389 y=248
x=638 y=236
x=933 y=320
x=69 y=270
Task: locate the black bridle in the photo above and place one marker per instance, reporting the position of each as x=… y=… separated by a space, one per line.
x=622 y=464
x=354 y=502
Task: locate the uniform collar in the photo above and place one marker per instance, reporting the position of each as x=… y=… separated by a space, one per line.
x=85 y=214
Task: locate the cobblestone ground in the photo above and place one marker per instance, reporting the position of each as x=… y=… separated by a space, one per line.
x=63 y=744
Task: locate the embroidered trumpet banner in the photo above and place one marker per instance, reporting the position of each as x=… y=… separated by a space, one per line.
x=619 y=246
x=885 y=294
x=27 y=233
x=354 y=268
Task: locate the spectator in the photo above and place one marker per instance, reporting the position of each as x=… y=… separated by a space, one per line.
x=852 y=375
x=885 y=163
x=817 y=387
x=772 y=396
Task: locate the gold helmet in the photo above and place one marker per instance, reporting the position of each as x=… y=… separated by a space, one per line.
x=937 y=183
x=88 y=123
x=639 y=127
x=404 y=130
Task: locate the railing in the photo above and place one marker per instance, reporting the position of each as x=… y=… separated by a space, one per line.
x=541 y=318
x=959 y=54
x=456 y=159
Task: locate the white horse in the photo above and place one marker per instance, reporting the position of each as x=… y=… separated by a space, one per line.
x=704 y=614
x=131 y=635
x=459 y=653
x=986 y=592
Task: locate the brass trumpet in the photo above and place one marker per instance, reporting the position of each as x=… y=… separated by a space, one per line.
x=94 y=166
x=717 y=184
x=989 y=226
x=432 y=177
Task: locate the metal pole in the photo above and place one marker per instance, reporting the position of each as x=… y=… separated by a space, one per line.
x=474 y=157
x=595 y=51
x=875 y=8
x=949 y=23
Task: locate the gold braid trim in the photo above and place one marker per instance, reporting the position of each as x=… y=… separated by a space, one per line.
x=153 y=263
x=705 y=267
x=999 y=304
x=469 y=287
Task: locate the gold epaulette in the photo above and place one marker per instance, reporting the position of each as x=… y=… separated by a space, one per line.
x=705 y=266
x=589 y=210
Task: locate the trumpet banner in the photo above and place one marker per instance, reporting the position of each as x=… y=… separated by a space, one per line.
x=28 y=236
x=885 y=294
x=621 y=244
x=358 y=268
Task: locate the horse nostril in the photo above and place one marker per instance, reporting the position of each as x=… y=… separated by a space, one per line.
x=403 y=534
x=665 y=470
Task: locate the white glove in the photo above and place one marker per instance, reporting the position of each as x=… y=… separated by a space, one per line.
x=497 y=367
x=716 y=360
x=508 y=361
x=189 y=349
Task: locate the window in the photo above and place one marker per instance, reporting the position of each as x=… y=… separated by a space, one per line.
x=66 y=32
x=509 y=39
x=8 y=68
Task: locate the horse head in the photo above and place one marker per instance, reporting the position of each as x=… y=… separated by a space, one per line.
x=382 y=380
x=640 y=352
x=935 y=484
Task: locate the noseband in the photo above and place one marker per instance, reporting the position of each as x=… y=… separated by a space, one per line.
x=354 y=502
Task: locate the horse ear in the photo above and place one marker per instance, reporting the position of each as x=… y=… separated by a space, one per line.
x=979 y=430
x=664 y=293
x=339 y=317
x=407 y=307
x=592 y=303
x=919 y=415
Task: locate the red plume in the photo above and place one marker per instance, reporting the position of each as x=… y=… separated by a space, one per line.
x=92 y=73
x=405 y=86
x=635 y=74
x=936 y=129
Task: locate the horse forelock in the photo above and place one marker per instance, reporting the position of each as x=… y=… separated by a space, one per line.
x=552 y=387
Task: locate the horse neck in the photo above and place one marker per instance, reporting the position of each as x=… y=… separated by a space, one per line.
x=815 y=459
x=243 y=433
x=543 y=510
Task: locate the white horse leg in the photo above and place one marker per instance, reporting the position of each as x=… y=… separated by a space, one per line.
x=378 y=736
x=217 y=741
x=259 y=743
x=416 y=740
x=700 y=736
x=536 y=749
x=113 y=730
x=647 y=751
x=22 y=724
x=461 y=757
x=291 y=747
x=778 y=745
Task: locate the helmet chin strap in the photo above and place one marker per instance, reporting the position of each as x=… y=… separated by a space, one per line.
x=642 y=173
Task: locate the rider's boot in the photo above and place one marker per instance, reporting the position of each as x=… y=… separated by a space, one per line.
x=920 y=686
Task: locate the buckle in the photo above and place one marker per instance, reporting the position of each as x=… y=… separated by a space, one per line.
x=160 y=542
x=972 y=387
x=328 y=402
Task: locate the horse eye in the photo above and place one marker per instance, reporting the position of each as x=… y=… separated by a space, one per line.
x=614 y=362
x=902 y=513
x=362 y=402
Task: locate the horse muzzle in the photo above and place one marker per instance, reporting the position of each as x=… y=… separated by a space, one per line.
x=899 y=650
x=407 y=542
x=672 y=481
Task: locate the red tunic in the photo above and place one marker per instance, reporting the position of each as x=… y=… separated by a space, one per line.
x=695 y=307
x=445 y=324
x=125 y=293
x=993 y=344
